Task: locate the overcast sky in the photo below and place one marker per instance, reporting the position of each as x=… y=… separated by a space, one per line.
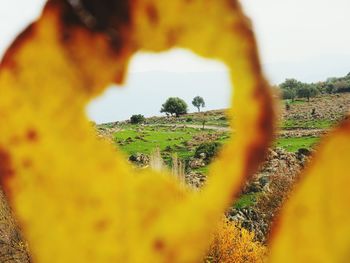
x=305 y=39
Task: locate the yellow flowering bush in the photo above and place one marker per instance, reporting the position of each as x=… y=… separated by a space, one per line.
x=233 y=244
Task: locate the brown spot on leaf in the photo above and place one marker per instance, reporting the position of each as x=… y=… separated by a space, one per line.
x=159 y=245
x=27 y=163
x=32 y=135
x=101 y=225
x=152 y=14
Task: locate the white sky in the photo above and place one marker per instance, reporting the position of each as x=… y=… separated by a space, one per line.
x=306 y=39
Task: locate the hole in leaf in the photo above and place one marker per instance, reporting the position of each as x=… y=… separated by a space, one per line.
x=177 y=142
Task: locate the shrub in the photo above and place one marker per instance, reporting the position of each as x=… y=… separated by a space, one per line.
x=189 y=119
x=210 y=149
x=135 y=119
x=287 y=106
x=232 y=244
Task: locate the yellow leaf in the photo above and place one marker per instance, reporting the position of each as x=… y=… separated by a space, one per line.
x=314 y=224
x=76 y=198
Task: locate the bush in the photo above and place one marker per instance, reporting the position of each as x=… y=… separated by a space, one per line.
x=287 y=106
x=189 y=119
x=135 y=119
x=232 y=244
x=209 y=149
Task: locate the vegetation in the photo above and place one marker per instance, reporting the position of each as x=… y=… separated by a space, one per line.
x=233 y=244
x=288 y=94
x=209 y=150
x=246 y=200
x=174 y=106
x=292 y=88
x=136 y=119
x=131 y=141
x=307 y=91
x=295 y=143
x=198 y=102
x=307 y=124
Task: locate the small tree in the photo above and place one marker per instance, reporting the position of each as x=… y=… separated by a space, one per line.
x=292 y=84
x=135 y=119
x=288 y=94
x=174 y=106
x=198 y=102
x=307 y=92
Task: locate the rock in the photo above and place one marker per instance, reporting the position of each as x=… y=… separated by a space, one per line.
x=140 y=159
x=196 y=163
x=202 y=156
x=196 y=180
x=304 y=151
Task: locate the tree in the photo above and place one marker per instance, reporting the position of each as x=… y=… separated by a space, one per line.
x=198 y=102
x=135 y=119
x=174 y=106
x=307 y=91
x=288 y=94
x=292 y=84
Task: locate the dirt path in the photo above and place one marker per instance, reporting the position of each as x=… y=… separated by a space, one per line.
x=281 y=133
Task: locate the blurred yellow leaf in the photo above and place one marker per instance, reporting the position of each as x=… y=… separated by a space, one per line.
x=76 y=198
x=315 y=223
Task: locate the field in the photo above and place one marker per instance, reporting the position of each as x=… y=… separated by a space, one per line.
x=301 y=126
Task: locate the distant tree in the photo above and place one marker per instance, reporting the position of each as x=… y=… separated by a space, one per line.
x=174 y=106
x=307 y=91
x=342 y=85
x=288 y=94
x=291 y=84
x=137 y=118
x=330 y=88
x=198 y=102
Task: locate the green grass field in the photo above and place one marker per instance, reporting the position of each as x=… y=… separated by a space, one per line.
x=293 y=144
x=307 y=124
x=146 y=140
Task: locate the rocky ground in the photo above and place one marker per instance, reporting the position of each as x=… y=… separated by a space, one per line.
x=326 y=107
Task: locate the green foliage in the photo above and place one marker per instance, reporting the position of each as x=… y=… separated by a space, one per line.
x=307 y=91
x=288 y=94
x=174 y=106
x=331 y=85
x=198 y=102
x=209 y=149
x=135 y=119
